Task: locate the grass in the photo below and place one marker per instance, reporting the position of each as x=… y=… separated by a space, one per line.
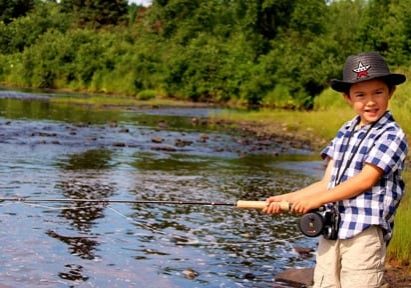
x=311 y=122
x=400 y=245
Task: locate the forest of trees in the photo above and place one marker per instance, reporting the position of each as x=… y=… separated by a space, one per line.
x=277 y=53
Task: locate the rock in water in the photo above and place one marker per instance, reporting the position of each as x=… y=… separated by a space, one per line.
x=300 y=277
x=190 y=273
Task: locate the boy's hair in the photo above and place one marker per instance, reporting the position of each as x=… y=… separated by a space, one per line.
x=363 y=67
x=391 y=87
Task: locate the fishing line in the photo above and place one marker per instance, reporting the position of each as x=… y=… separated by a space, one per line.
x=131 y=220
x=187 y=241
x=195 y=242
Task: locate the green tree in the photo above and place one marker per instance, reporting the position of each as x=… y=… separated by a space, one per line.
x=308 y=17
x=370 y=32
x=13 y=9
x=24 y=31
x=397 y=32
x=97 y=13
x=344 y=22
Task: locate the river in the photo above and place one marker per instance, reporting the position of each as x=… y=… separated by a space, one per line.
x=50 y=150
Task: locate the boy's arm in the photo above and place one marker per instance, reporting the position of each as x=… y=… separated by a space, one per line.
x=354 y=186
x=314 y=189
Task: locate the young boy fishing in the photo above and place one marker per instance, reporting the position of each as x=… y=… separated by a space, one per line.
x=362 y=180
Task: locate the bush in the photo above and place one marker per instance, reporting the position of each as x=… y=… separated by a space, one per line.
x=146 y=95
x=279 y=98
x=329 y=99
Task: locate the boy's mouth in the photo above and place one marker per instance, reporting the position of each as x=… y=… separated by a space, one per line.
x=371 y=111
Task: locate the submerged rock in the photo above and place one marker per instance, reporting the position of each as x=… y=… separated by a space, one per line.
x=157 y=140
x=190 y=273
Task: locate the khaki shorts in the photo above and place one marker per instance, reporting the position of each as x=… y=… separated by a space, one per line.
x=357 y=262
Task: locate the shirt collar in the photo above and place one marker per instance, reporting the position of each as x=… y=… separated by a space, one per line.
x=387 y=117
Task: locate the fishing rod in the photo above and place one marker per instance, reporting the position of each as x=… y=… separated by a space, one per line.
x=317 y=222
x=284 y=206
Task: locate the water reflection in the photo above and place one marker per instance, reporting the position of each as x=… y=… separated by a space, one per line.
x=82 y=215
x=99 y=159
x=81 y=246
x=44 y=109
x=74 y=273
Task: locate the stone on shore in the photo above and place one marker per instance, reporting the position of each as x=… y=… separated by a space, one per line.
x=296 y=277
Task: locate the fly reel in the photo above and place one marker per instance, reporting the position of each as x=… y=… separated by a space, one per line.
x=320 y=222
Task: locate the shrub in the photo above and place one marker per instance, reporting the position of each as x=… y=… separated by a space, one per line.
x=146 y=95
x=279 y=97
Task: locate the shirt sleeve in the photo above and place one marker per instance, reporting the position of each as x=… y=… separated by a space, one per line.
x=328 y=151
x=388 y=152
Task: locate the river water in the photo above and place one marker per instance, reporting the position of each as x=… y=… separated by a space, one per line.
x=51 y=150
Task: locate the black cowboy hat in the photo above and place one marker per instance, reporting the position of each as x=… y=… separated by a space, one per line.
x=365 y=66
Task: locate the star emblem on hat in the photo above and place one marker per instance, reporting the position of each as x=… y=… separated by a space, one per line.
x=361 y=70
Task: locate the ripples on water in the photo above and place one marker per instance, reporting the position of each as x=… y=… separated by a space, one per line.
x=50 y=151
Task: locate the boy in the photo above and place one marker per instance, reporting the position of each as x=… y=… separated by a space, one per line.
x=362 y=179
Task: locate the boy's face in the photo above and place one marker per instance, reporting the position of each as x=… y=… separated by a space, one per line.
x=369 y=99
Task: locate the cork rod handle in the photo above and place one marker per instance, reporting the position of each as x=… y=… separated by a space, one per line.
x=284 y=206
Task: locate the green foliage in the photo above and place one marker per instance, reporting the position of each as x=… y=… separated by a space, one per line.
x=41 y=64
x=280 y=97
x=275 y=53
x=329 y=99
x=96 y=13
x=25 y=31
x=13 y=9
x=146 y=95
x=308 y=17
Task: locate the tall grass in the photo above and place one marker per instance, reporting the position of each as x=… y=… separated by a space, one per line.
x=399 y=248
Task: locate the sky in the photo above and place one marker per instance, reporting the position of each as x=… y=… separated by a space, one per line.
x=141 y=2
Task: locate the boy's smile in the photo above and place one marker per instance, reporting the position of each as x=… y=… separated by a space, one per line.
x=369 y=99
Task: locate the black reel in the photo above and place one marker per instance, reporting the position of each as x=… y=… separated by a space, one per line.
x=320 y=222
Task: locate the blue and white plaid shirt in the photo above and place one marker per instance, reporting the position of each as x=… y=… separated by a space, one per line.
x=385 y=146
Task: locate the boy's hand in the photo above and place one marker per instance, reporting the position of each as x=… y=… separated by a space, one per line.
x=304 y=205
x=273 y=204
x=273 y=208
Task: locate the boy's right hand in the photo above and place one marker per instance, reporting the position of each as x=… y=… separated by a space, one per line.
x=273 y=204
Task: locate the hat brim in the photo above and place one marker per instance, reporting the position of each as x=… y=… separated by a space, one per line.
x=391 y=79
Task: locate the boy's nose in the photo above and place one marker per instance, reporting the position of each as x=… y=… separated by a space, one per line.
x=371 y=100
